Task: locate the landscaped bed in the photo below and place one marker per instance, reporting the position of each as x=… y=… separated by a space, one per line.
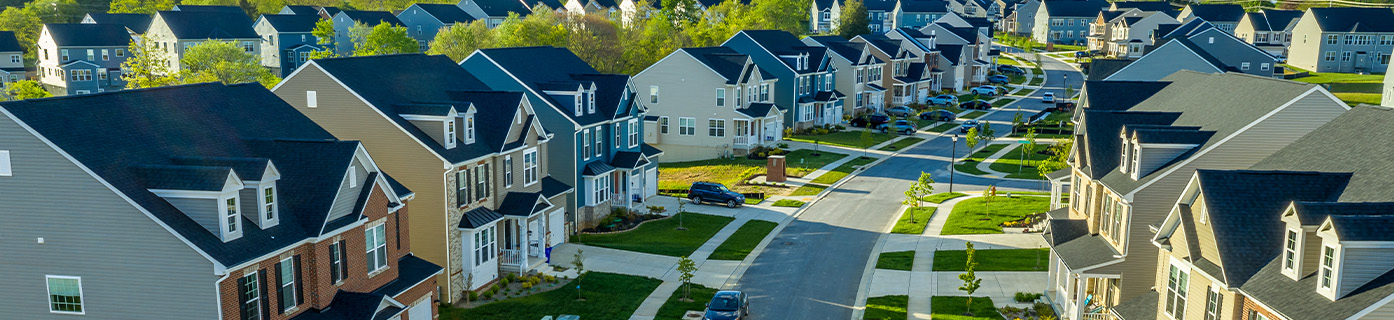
x=607 y=296
x=887 y=308
x=994 y=259
x=980 y=216
x=1012 y=165
x=906 y=225
x=902 y=143
x=898 y=260
x=741 y=243
x=675 y=308
x=953 y=308
x=970 y=164
x=731 y=172
x=830 y=177
x=660 y=236
x=850 y=139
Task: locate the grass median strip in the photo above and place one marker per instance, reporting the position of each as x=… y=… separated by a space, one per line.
x=679 y=175
x=898 y=260
x=808 y=190
x=791 y=203
x=675 y=308
x=887 y=308
x=974 y=115
x=944 y=127
x=607 y=296
x=850 y=139
x=1012 y=164
x=913 y=220
x=979 y=216
x=902 y=143
x=661 y=236
x=969 y=165
x=994 y=259
x=943 y=196
x=831 y=177
x=953 y=308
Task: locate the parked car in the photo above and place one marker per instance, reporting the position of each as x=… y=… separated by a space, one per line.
x=1010 y=69
x=969 y=124
x=900 y=126
x=938 y=115
x=900 y=111
x=989 y=91
x=998 y=89
x=727 y=305
x=714 y=192
x=944 y=99
x=1048 y=97
x=870 y=121
x=979 y=104
x=998 y=79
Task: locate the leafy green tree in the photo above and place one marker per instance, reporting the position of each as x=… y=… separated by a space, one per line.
x=987 y=134
x=26 y=89
x=1016 y=121
x=210 y=2
x=460 y=40
x=140 y=6
x=382 y=39
x=866 y=141
x=681 y=12
x=325 y=37
x=1028 y=148
x=56 y=11
x=1059 y=157
x=225 y=62
x=686 y=270
x=970 y=279
x=25 y=23
x=918 y=190
x=853 y=20
x=972 y=138
x=145 y=68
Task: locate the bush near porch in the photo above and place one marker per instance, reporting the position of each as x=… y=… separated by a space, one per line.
x=733 y=172
x=608 y=296
x=977 y=216
x=660 y=236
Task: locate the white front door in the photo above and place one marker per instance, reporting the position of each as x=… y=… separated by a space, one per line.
x=556 y=231
x=636 y=185
x=651 y=183
x=421 y=310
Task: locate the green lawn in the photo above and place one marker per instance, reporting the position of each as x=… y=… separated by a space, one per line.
x=899 y=260
x=1066 y=47
x=887 y=308
x=943 y=196
x=808 y=190
x=974 y=216
x=830 y=177
x=1349 y=87
x=902 y=143
x=906 y=225
x=788 y=203
x=660 y=237
x=971 y=167
x=1355 y=98
x=944 y=127
x=731 y=172
x=1002 y=102
x=974 y=114
x=953 y=308
x=1025 y=92
x=753 y=201
x=1332 y=77
x=1011 y=162
x=675 y=308
x=744 y=240
x=850 y=139
x=994 y=259
x=954 y=109
x=608 y=296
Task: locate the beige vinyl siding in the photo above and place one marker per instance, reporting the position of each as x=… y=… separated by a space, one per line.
x=1205 y=234
x=1307 y=43
x=687 y=88
x=1360 y=265
x=1311 y=253
x=1383 y=312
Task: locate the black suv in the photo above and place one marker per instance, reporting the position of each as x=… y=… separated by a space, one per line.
x=870 y=121
x=714 y=192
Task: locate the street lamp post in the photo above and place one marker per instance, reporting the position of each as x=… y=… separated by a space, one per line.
x=953 y=157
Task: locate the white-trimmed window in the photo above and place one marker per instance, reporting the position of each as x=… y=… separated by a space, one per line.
x=450 y=133
x=619 y=134
x=268 y=204
x=230 y=215
x=375 y=239
x=484 y=245
x=807 y=113
x=508 y=170
x=1176 y=292
x=1328 y=266
x=1264 y=66
x=590 y=102
x=663 y=125
x=585 y=143
x=1244 y=66
x=764 y=92
x=311 y=99
x=65 y=55
x=716 y=127
x=65 y=294
x=633 y=133
x=687 y=126
x=249 y=287
x=721 y=97
x=481 y=178
x=530 y=174
x=738 y=97
x=337 y=270
x=579 y=107
x=1345 y=55
x=353 y=176
x=653 y=94
x=106 y=55
x=1290 y=250
x=5 y=169
x=1214 y=302
x=469 y=128
x=599 y=141
x=286 y=283
x=101 y=75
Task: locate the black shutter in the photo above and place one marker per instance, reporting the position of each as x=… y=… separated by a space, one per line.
x=461 y=188
x=280 y=290
x=265 y=295
x=299 y=294
x=343 y=259
x=242 y=296
x=489 y=175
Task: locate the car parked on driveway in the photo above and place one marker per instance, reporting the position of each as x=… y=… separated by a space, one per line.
x=1048 y=97
x=998 y=89
x=900 y=111
x=713 y=192
x=944 y=99
x=899 y=126
x=1010 y=69
x=938 y=115
x=979 y=104
x=998 y=79
x=870 y=121
x=969 y=124
x=989 y=91
x=727 y=305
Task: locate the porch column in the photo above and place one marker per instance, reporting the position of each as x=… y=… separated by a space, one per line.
x=522 y=249
x=1078 y=306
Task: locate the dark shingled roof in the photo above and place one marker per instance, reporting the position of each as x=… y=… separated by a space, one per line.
x=880 y=5
x=1300 y=300
x=725 y=61
x=552 y=187
x=410 y=271
x=1345 y=144
x=1085 y=252
x=446 y=13
x=1101 y=68
x=848 y=50
x=1218 y=12
x=88 y=35
x=246 y=168
x=174 y=177
x=596 y=168
x=1074 y=8
x=924 y=6
x=650 y=151
x=211 y=24
x=520 y=204
x=1162 y=6
x=1065 y=230
x=372 y=18
x=494 y=112
x=305 y=10
x=1379 y=227
x=8 y=43
x=1353 y=19
x=352 y=306
x=136 y=22
x=1186 y=29
x=287 y=23
x=1312 y=213
x=951 y=52
x=1273 y=20
x=479 y=217
x=755 y=110
x=501 y=8
x=779 y=42
x=535 y=66
x=1119 y=95
x=1142 y=307
x=628 y=160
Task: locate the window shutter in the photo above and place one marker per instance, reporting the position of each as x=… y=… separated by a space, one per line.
x=469 y=185
x=242 y=297
x=280 y=291
x=299 y=294
x=265 y=294
x=489 y=175
x=343 y=259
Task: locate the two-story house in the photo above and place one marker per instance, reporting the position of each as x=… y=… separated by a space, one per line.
x=1300 y=235
x=598 y=138
x=941 y=72
x=173 y=32
x=424 y=20
x=346 y=20
x=969 y=63
x=1161 y=6
x=804 y=89
x=824 y=15
x=721 y=89
x=868 y=91
x=878 y=14
x=1223 y=16
x=1021 y=19
x=1126 y=33
x=1343 y=40
x=1138 y=143
x=323 y=12
x=11 y=59
x=224 y=198
x=905 y=75
x=287 y=41
x=136 y=23
x=1065 y=21
x=1269 y=29
x=479 y=157
x=1197 y=46
x=601 y=7
x=917 y=13
x=974 y=8
x=494 y=11
x=80 y=58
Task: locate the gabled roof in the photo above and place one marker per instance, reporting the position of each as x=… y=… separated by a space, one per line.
x=1189 y=28
x=287 y=23
x=209 y=8
x=494 y=115
x=847 y=50
x=212 y=24
x=1344 y=145
x=1101 y=68
x=825 y=4
x=446 y=13
x=888 y=46
x=726 y=62
x=348 y=305
x=924 y=6
x=1273 y=20
x=1218 y=12
x=88 y=35
x=479 y=217
x=136 y=22
x=501 y=8
x=1161 y=6
x=8 y=43
x=782 y=43
x=301 y=10
x=1372 y=226
x=535 y=66
x=372 y=18
x=951 y=52
x=1074 y=8
x=755 y=110
x=1353 y=19
x=880 y=5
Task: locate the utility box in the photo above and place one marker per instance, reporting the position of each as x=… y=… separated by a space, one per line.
x=774 y=169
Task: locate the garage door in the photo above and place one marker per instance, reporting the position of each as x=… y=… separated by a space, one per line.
x=651 y=183
x=421 y=310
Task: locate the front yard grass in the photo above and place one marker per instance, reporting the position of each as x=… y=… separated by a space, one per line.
x=977 y=216
x=660 y=237
x=791 y=203
x=850 y=139
x=899 y=260
x=741 y=243
x=830 y=177
x=1011 y=163
x=902 y=143
x=608 y=296
x=970 y=164
x=1002 y=102
x=675 y=308
x=974 y=114
x=953 y=308
x=943 y=196
x=1349 y=87
x=994 y=259
x=944 y=127
x=887 y=308
x=808 y=190
x=906 y=225
x=730 y=172
x=1026 y=92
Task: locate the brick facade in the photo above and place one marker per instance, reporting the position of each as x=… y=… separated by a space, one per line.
x=1250 y=307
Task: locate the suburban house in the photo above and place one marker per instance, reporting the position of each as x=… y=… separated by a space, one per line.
x=601 y=7
x=1022 y=18
x=1270 y=30
x=229 y=201
x=878 y=14
x=424 y=20
x=917 y=13
x=172 y=32
x=346 y=20
x=965 y=51
x=723 y=90
x=1139 y=142
x=1162 y=6
x=598 y=140
x=11 y=59
x=1126 y=32
x=1223 y=16
x=974 y=8
x=865 y=84
x=80 y=58
x=325 y=13
x=1357 y=40
x=823 y=16
x=904 y=77
x=1204 y=49
x=494 y=11
x=1065 y=21
x=136 y=23
x=804 y=90
x=287 y=41
x=480 y=153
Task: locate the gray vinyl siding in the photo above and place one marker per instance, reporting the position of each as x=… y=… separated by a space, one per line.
x=249 y=205
x=1162 y=62
x=420 y=24
x=688 y=89
x=349 y=193
x=1360 y=265
x=1383 y=312
x=131 y=267
x=203 y=211
x=1153 y=158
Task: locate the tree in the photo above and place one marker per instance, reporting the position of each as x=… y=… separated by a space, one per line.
x=382 y=39
x=579 y=263
x=972 y=138
x=1016 y=120
x=225 y=62
x=970 y=279
x=139 y=6
x=866 y=141
x=26 y=89
x=146 y=67
x=853 y=20
x=1027 y=148
x=1059 y=155
x=682 y=207
x=1069 y=92
x=918 y=190
x=325 y=37
x=686 y=270
x=25 y=23
x=460 y=40
x=987 y=134
x=681 y=12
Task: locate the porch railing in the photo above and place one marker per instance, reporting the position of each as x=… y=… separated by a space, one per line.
x=510 y=257
x=745 y=141
x=1098 y=316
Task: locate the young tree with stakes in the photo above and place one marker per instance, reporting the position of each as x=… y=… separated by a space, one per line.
x=1027 y=148
x=866 y=142
x=580 y=265
x=918 y=190
x=686 y=270
x=970 y=279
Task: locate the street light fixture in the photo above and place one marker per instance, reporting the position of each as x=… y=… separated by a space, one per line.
x=953 y=157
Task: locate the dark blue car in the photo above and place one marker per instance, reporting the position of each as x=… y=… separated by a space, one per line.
x=727 y=305
x=714 y=192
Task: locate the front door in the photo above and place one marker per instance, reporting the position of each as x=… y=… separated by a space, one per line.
x=651 y=182
x=636 y=185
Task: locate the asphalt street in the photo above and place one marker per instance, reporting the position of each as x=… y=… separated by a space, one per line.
x=812 y=269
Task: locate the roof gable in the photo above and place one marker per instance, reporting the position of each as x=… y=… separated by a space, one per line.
x=211 y=24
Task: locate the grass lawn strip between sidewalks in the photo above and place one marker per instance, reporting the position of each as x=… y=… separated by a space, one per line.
x=1010 y=163
x=974 y=114
x=675 y=308
x=608 y=296
x=944 y=127
x=977 y=216
x=887 y=308
x=994 y=259
x=898 y=260
x=680 y=175
x=850 y=139
x=808 y=190
x=902 y=143
x=1349 y=87
x=790 y=203
x=1002 y=102
x=943 y=196
x=830 y=177
x=953 y=308
x=906 y=225
x=661 y=237
x=970 y=164
x=744 y=240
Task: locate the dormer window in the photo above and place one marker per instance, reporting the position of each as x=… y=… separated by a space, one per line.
x=1290 y=251
x=1123 y=163
x=231 y=223
x=268 y=204
x=590 y=102
x=1328 y=267
x=469 y=128
x=579 y=108
x=450 y=133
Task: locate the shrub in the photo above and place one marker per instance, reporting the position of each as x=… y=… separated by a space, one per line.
x=505 y=281
x=474 y=295
x=527 y=285
x=1027 y=296
x=488 y=294
x=782 y=145
x=551 y=278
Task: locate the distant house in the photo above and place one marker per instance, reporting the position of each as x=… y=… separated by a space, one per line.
x=1022 y=18
x=1066 y=21
x=1270 y=30
x=973 y=8
x=907 y=77
x=879 y=14
x=865 y=72
x=325 y=13
x=136 y=23
x=1208 y=51
x=1127 y=32
x=722 y=90
x=347 y=19
x=918 y=13
x=602 y=7
x=494 y=11
x=79 y=58
x=424 y=20
x=1223 y=16
x=172 y=32
x=1159 y=6
x=1343 y=40
x=11 y=59
x=965 y=51
x=805 y=88
x=824 y=15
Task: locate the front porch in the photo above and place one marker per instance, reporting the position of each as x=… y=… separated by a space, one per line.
x=531 y=224
x=1081 y=284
